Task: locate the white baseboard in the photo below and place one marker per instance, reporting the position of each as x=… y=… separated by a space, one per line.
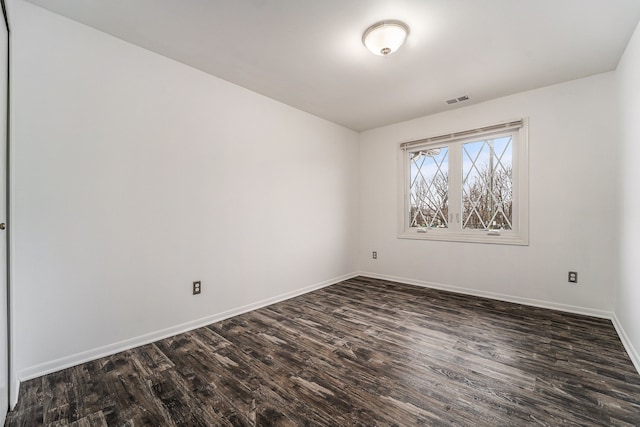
x=107 y=350
x=13 y=394
x=626 y=342
x=491 y=295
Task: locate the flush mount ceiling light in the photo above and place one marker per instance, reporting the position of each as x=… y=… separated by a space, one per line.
x=385 y=37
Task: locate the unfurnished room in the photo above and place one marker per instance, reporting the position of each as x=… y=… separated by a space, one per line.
x=320 y=213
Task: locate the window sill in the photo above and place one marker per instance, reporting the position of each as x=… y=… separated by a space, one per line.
x=505 y=238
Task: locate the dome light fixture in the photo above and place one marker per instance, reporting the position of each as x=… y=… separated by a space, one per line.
x=385 y=37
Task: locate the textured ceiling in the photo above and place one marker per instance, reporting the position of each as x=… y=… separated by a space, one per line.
x=309 y=53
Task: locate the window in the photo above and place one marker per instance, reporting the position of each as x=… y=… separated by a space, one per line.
x=468 y=186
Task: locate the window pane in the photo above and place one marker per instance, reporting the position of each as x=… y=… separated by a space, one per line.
x=429 y=193
x=487 y=190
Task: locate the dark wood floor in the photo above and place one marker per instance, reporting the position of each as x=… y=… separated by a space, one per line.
x=363 y=352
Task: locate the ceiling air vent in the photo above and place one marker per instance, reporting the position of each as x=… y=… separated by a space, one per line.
x=458 y=99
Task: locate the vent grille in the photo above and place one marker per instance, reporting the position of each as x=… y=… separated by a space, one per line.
x=462 y=98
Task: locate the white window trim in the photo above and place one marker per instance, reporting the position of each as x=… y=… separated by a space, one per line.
x=519 y=235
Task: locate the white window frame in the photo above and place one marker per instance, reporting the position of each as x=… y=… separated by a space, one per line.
x=518 y=235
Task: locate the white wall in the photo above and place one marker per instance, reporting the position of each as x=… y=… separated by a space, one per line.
x=627 y=308
x=573 y=202
x=134 y=175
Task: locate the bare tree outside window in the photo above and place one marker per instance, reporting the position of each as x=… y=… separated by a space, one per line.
x=429 y=188
x=487 y=186
x=487 y=189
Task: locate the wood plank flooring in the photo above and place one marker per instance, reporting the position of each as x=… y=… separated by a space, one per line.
x=363 y=352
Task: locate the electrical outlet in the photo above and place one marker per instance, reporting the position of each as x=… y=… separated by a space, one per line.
x=573 y=277
x=197 y=287
x=374 y=255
